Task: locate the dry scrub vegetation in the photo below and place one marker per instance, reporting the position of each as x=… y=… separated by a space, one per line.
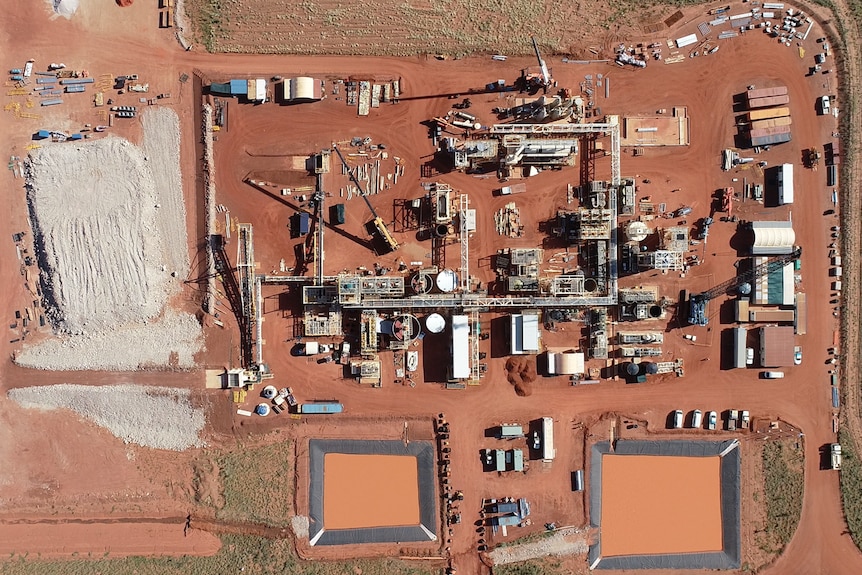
x=410 y=27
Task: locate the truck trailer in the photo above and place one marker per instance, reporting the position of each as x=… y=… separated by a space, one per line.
x=321 y=407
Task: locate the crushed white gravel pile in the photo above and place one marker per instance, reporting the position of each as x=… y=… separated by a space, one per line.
x=563 y=542
x=157 y=417
x=109 y=227
x=172 y=341
x=93 y=215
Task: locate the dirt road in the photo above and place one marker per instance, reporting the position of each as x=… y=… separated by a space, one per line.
x=820 y=545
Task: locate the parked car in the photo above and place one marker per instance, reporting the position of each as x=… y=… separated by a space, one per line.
x=677 y=419
x=712 y=421
x=749 y=356
x=797 y=355
x=773 y=374
x=696 y=419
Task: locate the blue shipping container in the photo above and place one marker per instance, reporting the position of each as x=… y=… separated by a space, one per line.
x=304 y=220
x=42 y=134
x=239 y=87
x=321 y=408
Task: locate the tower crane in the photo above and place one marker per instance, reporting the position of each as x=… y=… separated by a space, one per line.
x=697 y=303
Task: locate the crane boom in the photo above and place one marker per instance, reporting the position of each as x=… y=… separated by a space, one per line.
x=697 y=302
x=546 y=76
x=355 y=181
x=379 y=224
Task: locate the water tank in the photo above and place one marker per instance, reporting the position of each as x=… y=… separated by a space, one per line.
x=632 y=369
x=637 y=231
x=447 y=281
x=745 y=288
x=655 y=311
x=262 y=409
x=269 y=391
x=435 y=323
x=441 y=230
x=650 y=368
x=590 y=285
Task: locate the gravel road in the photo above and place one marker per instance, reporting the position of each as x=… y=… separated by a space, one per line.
x=157 y=417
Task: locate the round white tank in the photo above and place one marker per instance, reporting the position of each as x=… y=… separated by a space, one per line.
x=447 y=280
x=435 y=323
x=637 y=231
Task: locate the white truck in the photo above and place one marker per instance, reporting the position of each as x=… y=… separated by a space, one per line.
x=515 y=189
x=835 y=455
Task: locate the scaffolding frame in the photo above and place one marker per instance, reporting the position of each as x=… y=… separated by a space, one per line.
x=465 y=243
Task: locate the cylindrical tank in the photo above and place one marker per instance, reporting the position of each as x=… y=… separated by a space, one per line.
x=441 y=230
x=269 y=391
x=421 y=283
x=655 y=311
x=637 y=231
x=435 y=323
x=447 y=281
x=590 y=285
x=650 y=368
x=262 y=409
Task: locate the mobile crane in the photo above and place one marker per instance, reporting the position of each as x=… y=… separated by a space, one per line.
x=697 y=303
x=378 y=222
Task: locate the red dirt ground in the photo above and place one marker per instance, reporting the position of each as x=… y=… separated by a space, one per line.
x=678 y=497
x=369 y=491
x=705 y=85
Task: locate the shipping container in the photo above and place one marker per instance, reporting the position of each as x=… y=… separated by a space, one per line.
x=766 y=92
x=754 y=103
x=46 y=80
x=322 y=407
x=770 y=140
x=762 y=132
x=73 y=81
x=771 y=123
x=304 y=221
x=772 y=315
x=42 y=134
x=768 y=113
x=73 y=89
x=52 y=102
x=337 y=214
x=578 y=480
x=831 y=175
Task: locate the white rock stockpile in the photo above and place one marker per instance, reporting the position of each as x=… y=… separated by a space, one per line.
x=108 y=222
x=157 y=417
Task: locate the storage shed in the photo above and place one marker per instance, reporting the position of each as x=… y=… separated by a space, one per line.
x=772 y=238
x=302 y=89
